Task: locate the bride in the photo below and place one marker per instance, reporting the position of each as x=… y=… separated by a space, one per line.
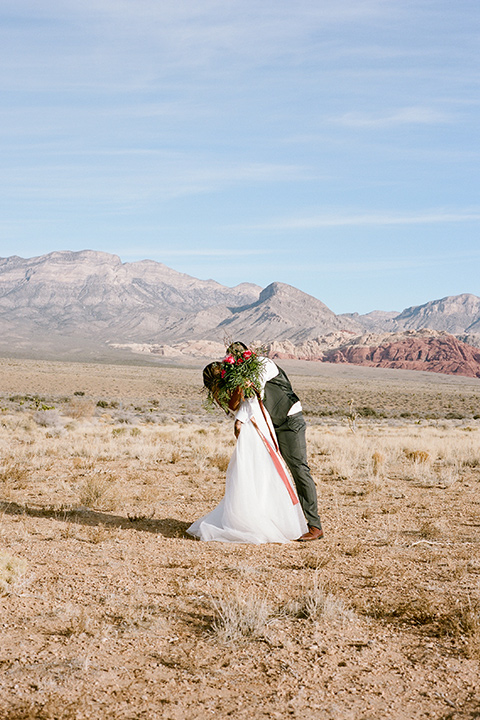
x=260 y=504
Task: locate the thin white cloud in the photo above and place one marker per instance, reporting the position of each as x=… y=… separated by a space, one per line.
x=394 y=264
x=370 y=219
x=130 y=181
x=135 y=44
x=415 y=115
x=381 y=266
x=153 y=253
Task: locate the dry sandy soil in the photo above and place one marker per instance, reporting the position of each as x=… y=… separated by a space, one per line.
x=109 y=610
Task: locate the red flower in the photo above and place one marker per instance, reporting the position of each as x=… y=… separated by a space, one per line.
x=247 y=354
x=223 y=373
x=239 y=361
x=230 y=360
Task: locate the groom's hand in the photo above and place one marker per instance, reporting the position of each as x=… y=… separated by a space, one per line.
x=237 y=427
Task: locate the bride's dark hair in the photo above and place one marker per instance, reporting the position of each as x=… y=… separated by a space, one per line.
x=211 y=375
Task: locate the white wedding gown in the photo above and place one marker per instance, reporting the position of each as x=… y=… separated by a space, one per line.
x=260 y=504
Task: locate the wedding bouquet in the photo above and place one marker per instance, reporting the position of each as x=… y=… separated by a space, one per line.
x=237 y=377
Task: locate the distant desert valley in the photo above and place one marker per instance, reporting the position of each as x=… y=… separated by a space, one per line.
x=107 y=454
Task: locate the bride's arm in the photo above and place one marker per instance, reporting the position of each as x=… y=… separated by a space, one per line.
x=243 y=415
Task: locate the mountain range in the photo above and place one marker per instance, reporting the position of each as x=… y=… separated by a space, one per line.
x=73 y=303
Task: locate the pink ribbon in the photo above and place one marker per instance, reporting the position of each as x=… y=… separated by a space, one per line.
x=278 y=464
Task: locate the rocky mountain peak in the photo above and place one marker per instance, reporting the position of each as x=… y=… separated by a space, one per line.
x=455 y=314
x=76 y=257
x=283 y=312
x=287 y=293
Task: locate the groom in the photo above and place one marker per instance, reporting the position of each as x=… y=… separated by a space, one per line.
x=285 y=410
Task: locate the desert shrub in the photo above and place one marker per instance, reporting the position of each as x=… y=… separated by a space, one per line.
x=79 y=407
x=48 y=418
x=127 y=418
x=367 y=411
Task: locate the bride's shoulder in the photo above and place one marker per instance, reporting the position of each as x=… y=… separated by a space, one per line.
x=249 y=405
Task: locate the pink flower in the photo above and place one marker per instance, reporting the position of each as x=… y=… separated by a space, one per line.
x=247 y=354
x=230 y=360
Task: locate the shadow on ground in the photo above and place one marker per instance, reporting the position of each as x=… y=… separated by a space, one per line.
x=168 y=527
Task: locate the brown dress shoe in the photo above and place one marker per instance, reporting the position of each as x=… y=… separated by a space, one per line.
x=313 y=533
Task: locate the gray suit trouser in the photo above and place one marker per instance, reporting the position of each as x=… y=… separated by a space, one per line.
x=293 y=446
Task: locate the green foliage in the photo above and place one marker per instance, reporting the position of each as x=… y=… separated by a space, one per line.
x=367 y=411
x=240 y=370
x=40 y=403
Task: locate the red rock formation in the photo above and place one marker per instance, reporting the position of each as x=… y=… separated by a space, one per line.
x=443 y=354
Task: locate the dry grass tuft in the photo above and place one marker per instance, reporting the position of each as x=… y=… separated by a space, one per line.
x=220 y=461
x=352 y=548
x=318 y=603
x=431 y=530
x=12 y=569
x=97 y=492
x=175 y=457
x=456 y=619
x=418 y=456
x=97 y=534
x=241 y=616
x=13 y=471
x=315 y=560
x=77 y=622
x=378 y=463
x=79 y=407
x=46 y=710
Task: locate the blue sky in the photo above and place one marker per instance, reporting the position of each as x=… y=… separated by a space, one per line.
x=329 y=144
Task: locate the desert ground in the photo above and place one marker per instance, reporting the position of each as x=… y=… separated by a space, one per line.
x=110 y=610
